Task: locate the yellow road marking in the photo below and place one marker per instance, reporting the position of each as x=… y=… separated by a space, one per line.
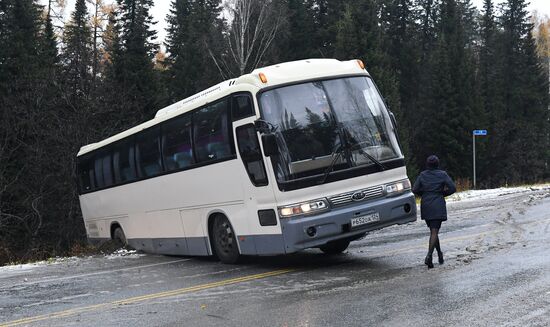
x=103 y=272
x=137 y=299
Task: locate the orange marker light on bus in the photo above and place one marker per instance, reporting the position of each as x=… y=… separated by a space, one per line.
x=361 y=64
x=263 y=78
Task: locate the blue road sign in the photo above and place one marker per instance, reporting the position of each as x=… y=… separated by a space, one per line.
x=480 y=132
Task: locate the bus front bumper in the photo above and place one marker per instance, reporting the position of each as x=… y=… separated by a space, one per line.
x=314 y=231
x=330 y=226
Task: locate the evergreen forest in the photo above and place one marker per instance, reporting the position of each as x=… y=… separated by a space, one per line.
x=444 y=67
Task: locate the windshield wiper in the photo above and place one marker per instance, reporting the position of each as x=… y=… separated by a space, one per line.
x=337 y=153
x=366 y=154
x=359 y=147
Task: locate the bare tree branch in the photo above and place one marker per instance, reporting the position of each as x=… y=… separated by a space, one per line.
x=253 y=27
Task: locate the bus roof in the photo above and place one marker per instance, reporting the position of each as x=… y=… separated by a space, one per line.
x=283 y=73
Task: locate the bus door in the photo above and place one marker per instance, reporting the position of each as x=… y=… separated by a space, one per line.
x=258 y=194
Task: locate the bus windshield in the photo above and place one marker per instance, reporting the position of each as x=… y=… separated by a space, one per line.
x=331 y=124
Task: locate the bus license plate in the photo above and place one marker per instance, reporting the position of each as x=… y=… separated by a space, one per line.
x=373 y=217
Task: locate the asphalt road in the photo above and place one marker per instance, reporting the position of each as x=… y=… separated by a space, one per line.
x=497 y=273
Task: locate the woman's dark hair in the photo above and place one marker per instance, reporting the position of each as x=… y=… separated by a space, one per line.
x=432 y=162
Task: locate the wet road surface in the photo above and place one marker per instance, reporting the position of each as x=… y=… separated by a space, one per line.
x=497 y=272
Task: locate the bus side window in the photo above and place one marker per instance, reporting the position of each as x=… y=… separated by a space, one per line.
x=102 y=170
x=86 y=175
x=148 y=154
x=98 y=171
x=242 y=107
x=251 y=154
x=107 y=170
x=211 y=131
x=177 y=146
x=123 y=162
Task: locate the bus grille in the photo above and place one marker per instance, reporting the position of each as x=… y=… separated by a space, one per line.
x=346 y=198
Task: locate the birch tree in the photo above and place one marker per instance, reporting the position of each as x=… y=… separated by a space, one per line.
x=253 y=27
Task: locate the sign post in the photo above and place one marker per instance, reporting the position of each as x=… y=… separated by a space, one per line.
x=476 y=132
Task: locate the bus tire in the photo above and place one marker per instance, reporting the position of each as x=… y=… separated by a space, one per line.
x=225 y=242
x=119 y=238
x=335 y=247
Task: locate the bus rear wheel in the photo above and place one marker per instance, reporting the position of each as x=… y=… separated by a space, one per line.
x=335 y=247
x=225 y=242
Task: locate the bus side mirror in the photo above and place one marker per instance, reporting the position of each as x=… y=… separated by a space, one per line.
x=261 y=126
x=269 y=142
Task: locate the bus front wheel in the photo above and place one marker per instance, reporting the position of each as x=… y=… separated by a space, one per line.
x=335 y=247
x=119 y=238
x=225 y=242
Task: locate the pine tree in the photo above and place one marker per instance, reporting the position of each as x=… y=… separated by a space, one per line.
x=194 y=44
x=100 y=14
x=328 y=14
x=490 y=81
x=21 y=35
x=22 y=69
x=398 y=23
x=536 y=125
x=301 y=39
x=426 y=33
x=525 y=94
x=29 y=103
x=427 y=12
x=448 y=121
x=133 y=71
x=360 y=36
x=76 y=122
x=57 y=141
x=111 y=107
x=77 y=52
x=4 y=37
x=48 y=48
x=111 y=63
x=399 y=28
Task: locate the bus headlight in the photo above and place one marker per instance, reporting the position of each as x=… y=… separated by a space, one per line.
x=398 y=187
x=303 y=208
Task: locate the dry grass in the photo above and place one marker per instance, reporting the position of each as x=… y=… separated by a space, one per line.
x=83 y=249
x=5 y=256
x=78 y=249
x=463 y=184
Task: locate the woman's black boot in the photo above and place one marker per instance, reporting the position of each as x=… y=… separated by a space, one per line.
x=440 y=257
x=428 y=261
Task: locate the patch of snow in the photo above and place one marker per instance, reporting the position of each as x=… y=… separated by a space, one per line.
x=124 y=253
x=21 y=268
x=58 y=260
x=493 y=193
x=27 y=267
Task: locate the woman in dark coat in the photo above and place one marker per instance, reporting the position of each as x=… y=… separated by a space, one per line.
x=433 y=185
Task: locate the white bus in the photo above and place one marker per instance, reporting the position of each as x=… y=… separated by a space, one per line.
x=297 y=155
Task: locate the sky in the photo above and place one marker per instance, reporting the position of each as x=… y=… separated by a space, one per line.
x=161 y=8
